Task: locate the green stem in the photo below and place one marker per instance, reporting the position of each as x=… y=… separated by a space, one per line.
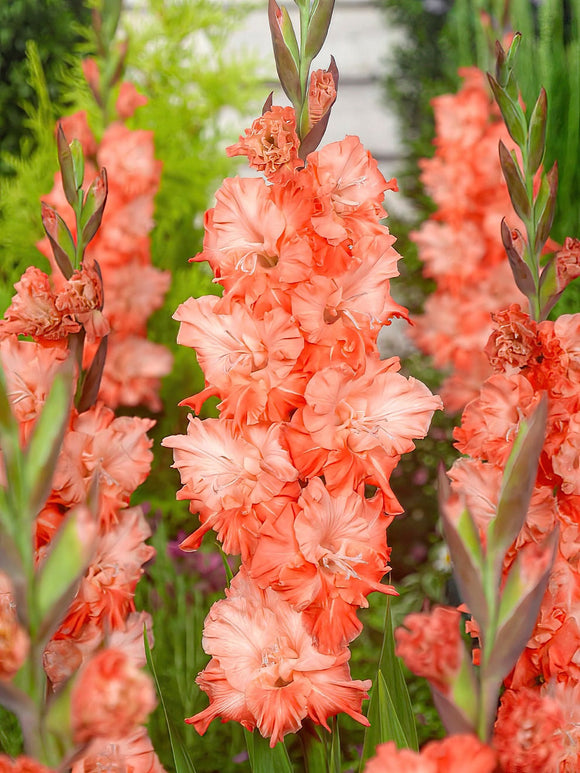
x=303 y=70
x=313 y=748
x=531 y=255
x=488 y=690
x=80 y=247
x=489 y=693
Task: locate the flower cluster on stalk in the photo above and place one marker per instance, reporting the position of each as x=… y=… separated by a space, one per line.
x=89 y=649
x=460 y=243
x=133 y=288
x=529 y=359
x=512 y=509
x=294 y=474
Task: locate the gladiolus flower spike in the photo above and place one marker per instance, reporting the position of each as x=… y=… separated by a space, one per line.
x=310 y=417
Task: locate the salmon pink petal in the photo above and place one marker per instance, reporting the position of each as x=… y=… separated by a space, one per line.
x=332 y=624
x=278 y=709
x=243 y=357
x=232 y=477
x=260 y=647
x=243 y=228
x=362 y=421
x=349 y=186
x=333 y=691
x=225 y=701
x=490 y=422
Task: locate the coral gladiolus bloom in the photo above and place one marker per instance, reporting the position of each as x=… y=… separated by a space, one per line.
x=110 y=697
x=106 y=592
x=115 y=450
x=34 y=310
x=30 y=369
x=325 y=556
x=321 y=95
x=252 y=241
x=529 y=731
x=271 y=144
x=349 y=188
x=431 y=645
x=354 y=429
x=246 y=361
x=266 y=672
x=134 y=753
x=234 y=479
x=454 y=754
x=22 y=764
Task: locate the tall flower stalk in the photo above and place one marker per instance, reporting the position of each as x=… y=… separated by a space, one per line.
x=510 y=514
x=294 y=474
x=73 y=549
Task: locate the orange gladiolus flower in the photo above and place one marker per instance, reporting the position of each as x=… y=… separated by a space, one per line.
x=454 y=754
x=349 y=190
x=353 y=428
x=321 y=95
x=266 y=672
x=325 y=555
x=235 y=478
x=247 y=361
x=528 y=731
x=271 y=144
x=110 y=697
x=105 y=594
x=431 y=645
x=133 y=753
x=34 y=310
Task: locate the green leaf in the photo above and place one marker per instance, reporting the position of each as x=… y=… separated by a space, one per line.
x=285 y=65
x=78 y=161
x=390 y=710
x=511 y=111
x=334 y=765
x=314 y=747
x=65 y=160
x=550 y=289
x=545 y=215
x=60 y=238
x=520 y=269
x=10 y=444
x=385 y=724
x=537 y=134
x=56 y=580
x=515 y=183
x=181 y=758
x=58 y=718
x=520 y=605
x=517 y=485
x=453 y=718
x=390 y=666
x=464 y=690
x=41 y=454
x=94 y=206
x=318 y=25
x=111 y=13
x=92 y=382
x=513 y=50
x=466 y=554
x=263 y=759
x=289 y=35
x=227 y=567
